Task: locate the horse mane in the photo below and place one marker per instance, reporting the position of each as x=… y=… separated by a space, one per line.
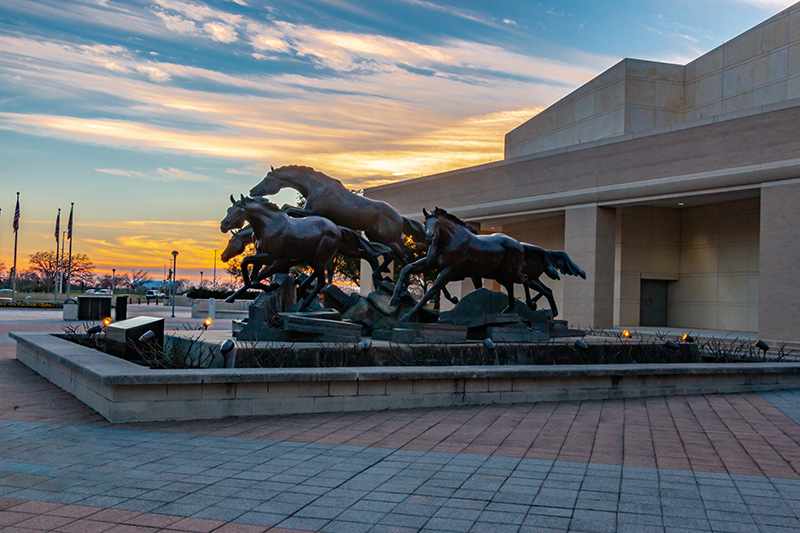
x=300 y=169
x=266 y=203
x=439 y=212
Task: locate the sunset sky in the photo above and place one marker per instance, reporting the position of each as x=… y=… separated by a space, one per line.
x=148 y=114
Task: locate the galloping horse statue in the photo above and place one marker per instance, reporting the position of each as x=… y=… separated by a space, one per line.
x=283 y=242
x=327 y=197
x=352 y=246
x=539 y=261
x=458 y=252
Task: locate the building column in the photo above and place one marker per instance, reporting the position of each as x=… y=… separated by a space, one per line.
x=589 y=239
x=779 y=270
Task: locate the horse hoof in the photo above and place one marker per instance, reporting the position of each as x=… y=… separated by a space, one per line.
x=229 y=299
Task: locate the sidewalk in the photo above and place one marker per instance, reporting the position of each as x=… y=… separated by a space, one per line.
x=693 y=463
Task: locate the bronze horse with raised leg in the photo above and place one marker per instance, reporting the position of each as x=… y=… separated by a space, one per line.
x=352 y=246
x=458 y=252
x=327 y=197
x=283 y=242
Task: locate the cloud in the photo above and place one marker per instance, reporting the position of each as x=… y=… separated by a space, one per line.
x=159 y=174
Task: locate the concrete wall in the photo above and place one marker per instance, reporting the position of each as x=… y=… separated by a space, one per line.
x=759 y=67
x=779 y=307
x=631 y=96
x=647 y=247
x=719 y=270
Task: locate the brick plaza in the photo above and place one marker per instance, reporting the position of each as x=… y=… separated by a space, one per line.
x=686 y=463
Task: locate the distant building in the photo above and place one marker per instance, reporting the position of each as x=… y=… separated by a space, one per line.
x=676 y=187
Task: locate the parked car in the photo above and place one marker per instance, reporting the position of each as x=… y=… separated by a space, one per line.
x=104 y=292
x=90 y=291
x=154 y=294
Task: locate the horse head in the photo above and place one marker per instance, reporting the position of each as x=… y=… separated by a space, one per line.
x=431 y=225
x=236 y=244
x=271 y=184
x=234 y=219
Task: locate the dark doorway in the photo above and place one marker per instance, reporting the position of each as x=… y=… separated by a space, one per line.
x=653 y=303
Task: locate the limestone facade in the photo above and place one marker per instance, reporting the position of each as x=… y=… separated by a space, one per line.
x=684 y=177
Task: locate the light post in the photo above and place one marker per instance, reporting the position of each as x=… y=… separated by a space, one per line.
x=214 y=285
x=113 y=279
x=174 y=265
x=201 y=279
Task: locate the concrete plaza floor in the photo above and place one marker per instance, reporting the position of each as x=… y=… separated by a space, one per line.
x=690 y=463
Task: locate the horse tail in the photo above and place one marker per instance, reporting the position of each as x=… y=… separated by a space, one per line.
x=352 y=241
x=414 y=229
x=564 y=264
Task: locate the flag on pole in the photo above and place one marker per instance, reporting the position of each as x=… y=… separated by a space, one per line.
x=58 y=225
x=15 y=224
x=69 y=223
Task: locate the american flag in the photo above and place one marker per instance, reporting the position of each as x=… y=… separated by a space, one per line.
x=69 y=224
x=58 y=225
x=15 y=224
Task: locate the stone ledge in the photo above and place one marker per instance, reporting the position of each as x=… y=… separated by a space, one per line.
x=124 y=392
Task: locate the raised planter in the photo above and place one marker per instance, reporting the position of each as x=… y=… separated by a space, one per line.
x=124 y=392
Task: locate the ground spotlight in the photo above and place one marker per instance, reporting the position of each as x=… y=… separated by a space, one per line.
x=228 y=350
x=366 y=344
x=147 y=336
x=763 y=346
x=489 y=343
x=581 y=345
x=94 y=330
x=107 y=320
x=227 y=347
x=687 y=338
x=626 y=333
x=672 y=345
x=207 y=322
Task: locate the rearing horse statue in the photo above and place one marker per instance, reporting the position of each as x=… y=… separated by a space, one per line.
x=327 y=197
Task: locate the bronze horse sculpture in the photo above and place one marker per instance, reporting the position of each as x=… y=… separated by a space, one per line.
x=352 y=246
x=283 y=242
x=327 y=197
x=539 y=261
x=458 y=252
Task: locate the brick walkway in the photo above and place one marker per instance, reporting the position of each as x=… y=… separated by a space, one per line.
x=690 y=463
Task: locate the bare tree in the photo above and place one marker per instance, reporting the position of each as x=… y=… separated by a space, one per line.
x=45 y=263
x=138 y=278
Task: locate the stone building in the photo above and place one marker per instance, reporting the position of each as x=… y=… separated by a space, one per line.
x=676 y=187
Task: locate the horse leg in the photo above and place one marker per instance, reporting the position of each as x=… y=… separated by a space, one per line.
x=441 y=281
x=531 y=303
x=413 y=268
x=453 y=299
x=545 y=291
x=319 y=276
x=510 y=289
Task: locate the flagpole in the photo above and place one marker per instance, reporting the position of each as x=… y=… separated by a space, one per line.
x=69 y=236
x=16 y=235
x=61 y=264
x=58 y=258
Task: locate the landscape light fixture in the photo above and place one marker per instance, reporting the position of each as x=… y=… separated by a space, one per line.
x=672 y=345
x=207 y=322
x=227 y=347
x=147 y=336
x=626 y=333
x=94 y=330
x=366 y=344
x=106 y=321
x=763 y=346
x=581 y=345
x=687 y=338
x=489 y=343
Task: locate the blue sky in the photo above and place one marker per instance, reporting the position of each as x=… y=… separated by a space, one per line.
x=149 y=114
